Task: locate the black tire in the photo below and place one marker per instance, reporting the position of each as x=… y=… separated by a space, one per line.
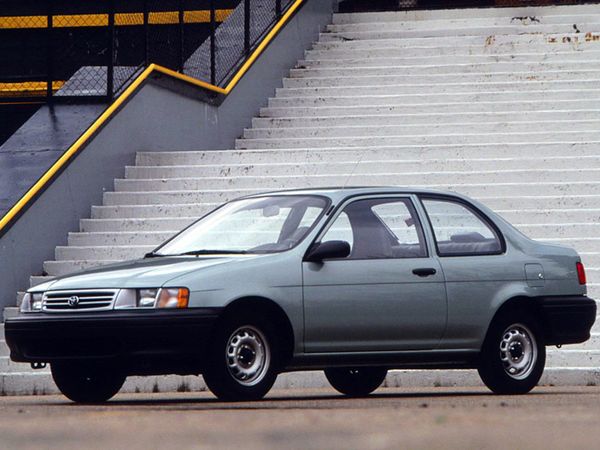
x=355 y=382
x=243 y=369
x=513 y=355
x=86 y=381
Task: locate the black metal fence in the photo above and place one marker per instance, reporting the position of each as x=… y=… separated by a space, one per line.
x=91 y=54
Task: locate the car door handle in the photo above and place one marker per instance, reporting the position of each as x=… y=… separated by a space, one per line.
x=425 y=272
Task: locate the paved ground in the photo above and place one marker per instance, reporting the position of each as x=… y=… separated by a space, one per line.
x=436 y=418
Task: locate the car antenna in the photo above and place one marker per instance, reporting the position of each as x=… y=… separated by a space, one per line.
x=358 y=161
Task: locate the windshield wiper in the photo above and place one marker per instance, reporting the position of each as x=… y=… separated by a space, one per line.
x=212 y=252
x=153 y=255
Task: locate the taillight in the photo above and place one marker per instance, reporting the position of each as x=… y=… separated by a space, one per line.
x=581 y=273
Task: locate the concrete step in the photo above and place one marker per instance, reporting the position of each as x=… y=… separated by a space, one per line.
x=553 y=204
x=143 y=211
x=549 y=229
x=362 y=174
x=531 y=189
x=175 y=197
x=41 y=383
x=153 y=224
x=553 y=215
x=417 y=107
x=10 y=311
x=535 y=34
x=407 y=153
x=532 y=42
x=8 y=366
x=548 y=14
x=59 y=268
x=512 y=215
x=401 y=48
x=146 y=238
x=408 y=119
x=398 y=57
x=398 y=77
x=418 y=95
x=456 y=137
x=34 y=280
x=514 y=126
x=450 y=24
x=561 y=89
x=573 y=358
x=463 y=33
x=399 y=165
x=457 y=67
x=101 y=253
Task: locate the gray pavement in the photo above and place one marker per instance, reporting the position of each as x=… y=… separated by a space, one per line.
x=414 y=418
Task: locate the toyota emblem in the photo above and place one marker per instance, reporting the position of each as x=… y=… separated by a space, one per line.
x=73 y=301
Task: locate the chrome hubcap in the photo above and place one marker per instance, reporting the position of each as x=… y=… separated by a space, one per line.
x=518 y=351
x=248 y=355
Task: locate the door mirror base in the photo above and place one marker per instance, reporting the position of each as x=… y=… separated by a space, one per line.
x=327 y=250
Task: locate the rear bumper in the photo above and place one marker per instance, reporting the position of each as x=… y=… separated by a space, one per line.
x=138 y=338
x=567 y=319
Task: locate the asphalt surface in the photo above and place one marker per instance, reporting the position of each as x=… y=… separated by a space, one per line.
x=419 y=418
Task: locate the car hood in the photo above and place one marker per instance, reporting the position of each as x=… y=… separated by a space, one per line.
x=143 y=273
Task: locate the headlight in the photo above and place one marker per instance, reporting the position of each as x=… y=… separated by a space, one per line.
x=146 y=298
x=153 y=298
x=31 y=302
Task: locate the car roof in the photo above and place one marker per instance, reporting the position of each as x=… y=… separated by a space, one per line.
x=337 y=193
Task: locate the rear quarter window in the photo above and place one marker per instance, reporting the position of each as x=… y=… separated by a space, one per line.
x=459 y=230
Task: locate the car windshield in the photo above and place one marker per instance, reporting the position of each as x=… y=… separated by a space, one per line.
x=254 y=225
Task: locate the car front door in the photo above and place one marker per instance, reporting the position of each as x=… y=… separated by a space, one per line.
x=387 y=295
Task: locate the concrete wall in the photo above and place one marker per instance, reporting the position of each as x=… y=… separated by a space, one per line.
x=162 y=115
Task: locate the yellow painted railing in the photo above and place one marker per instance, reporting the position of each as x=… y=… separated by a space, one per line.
x=107 y=114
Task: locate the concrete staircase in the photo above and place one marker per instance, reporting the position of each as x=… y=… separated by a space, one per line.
x=500 y=104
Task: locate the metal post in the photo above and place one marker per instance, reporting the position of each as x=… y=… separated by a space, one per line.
x=213 y=26
x=49 y=52
x=110 y=67
x=181 y=37
x=278 y=9
x=247 y=27
x=146 y=31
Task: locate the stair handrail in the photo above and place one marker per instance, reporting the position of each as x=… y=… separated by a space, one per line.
x=44 y=181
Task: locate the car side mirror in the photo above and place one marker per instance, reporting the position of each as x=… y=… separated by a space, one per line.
x=328 y=250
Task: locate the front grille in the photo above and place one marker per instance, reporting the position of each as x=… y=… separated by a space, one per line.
x=84 y=300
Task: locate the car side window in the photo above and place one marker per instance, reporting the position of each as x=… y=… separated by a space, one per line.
x=379 y=228
x=459 y=230
x=340 y=230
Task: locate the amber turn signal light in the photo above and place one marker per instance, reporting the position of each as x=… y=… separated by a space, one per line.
x=173 y=298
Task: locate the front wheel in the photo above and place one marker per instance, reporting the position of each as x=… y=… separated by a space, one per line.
x=242 y=359
x=87 y=382
x=513 y=355
x=355 y=382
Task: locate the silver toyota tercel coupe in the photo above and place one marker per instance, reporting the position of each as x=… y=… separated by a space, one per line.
x=353 y=281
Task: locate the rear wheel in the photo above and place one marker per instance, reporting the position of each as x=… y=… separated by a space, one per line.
x=242 y=359
x=513 y=355
x=355 y=382
x=86 y=381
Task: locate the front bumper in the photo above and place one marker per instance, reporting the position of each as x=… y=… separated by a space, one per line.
x=149 y=338
x=567 y=319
